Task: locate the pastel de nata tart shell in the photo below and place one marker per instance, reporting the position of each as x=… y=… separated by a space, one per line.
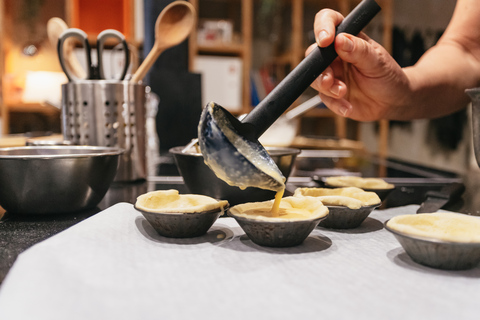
x=359 y=182
x=284 y=230
x=351 y=197
x=177 y=215
x=441 y=240
x=291 y=209
x=445 y=226
x=170 y=201
x=348 y=207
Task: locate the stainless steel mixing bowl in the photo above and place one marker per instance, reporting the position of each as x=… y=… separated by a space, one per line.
x=199 y=179
x=55 y=179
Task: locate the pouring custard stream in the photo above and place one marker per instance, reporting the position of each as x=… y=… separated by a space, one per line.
x=276 y=204
x=233 y=158
x=258 y=183
x=272 y=170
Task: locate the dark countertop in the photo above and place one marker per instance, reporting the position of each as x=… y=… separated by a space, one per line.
x=17 y=233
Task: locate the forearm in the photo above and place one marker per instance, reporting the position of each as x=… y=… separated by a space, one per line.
x=366 y=83
x=437 y=83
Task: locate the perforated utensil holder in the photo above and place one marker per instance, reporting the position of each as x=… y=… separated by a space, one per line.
x=111 y=114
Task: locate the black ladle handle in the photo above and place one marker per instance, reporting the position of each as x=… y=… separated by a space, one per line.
x=300 y=78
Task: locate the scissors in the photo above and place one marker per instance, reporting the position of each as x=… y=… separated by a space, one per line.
x=94 y=72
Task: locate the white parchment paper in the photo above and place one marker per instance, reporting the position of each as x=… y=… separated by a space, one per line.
x=115 y=266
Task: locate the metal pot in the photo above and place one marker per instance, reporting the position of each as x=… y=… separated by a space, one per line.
x=474 y=94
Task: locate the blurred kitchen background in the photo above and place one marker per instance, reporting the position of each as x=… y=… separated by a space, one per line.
x=240 y=50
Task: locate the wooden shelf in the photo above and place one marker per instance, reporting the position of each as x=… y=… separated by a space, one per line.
x=231 y=49
x=8 y=107
x=241 y=49
x=32 y=107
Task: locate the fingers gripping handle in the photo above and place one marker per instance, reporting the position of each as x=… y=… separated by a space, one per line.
x=297 y=81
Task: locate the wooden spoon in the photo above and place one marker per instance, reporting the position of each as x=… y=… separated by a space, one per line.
x=173 y=25
x=55 y=27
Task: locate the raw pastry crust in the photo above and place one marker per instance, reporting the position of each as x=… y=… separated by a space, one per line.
x=351 y=197
x=170 y=201
x=447 y=226
x=359 y=182
x=305 y=208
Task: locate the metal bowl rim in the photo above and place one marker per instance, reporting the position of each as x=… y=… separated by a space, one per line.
x=275 y=222
x=89 y=151
x=103 y=82
x=429 y=240
x=181 y=213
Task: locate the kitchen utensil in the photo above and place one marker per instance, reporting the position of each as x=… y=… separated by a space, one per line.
x=281 y=232
x=55 y=179
x=192 y=144
x=231 y=148
x=286 y=124
x=108 y=113
x=51 y=140
x=435 y=200
x=173 y=25
x=199 y=179
x=284 y=130
x=93 y=72
x=55 y=27
x=303 y=107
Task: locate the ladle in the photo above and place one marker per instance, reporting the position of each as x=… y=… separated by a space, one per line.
x=231 y=148
x=173 y=25
x=287 y=117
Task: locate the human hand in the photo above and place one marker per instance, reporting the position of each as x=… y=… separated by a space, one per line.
x=364 y=83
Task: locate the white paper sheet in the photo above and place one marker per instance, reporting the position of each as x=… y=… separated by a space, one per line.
x=114 y=266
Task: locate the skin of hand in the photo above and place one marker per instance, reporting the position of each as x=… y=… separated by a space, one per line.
x=365 y=83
